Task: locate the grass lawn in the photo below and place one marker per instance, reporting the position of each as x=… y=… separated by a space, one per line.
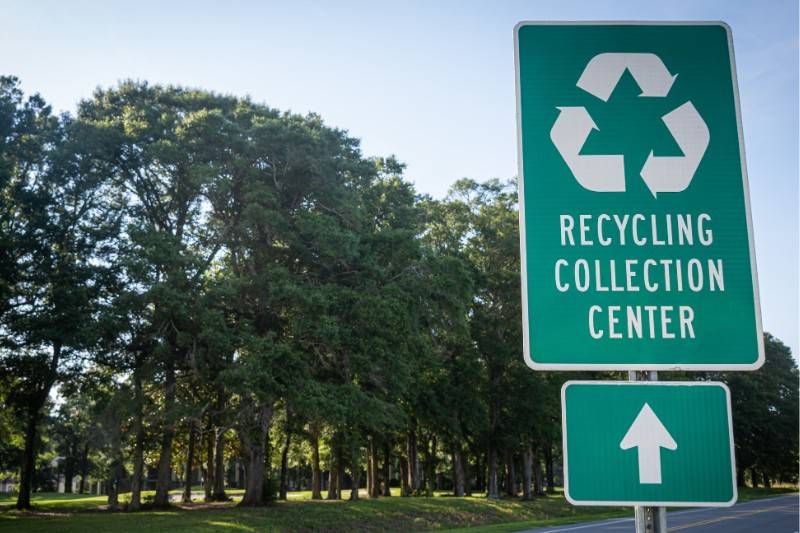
x=84 y=514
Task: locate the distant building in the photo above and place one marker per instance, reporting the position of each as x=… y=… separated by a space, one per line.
x=62 y=486
x=8 y=485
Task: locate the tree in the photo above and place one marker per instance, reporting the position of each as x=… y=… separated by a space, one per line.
x=73 y=432
x=62 y=222
x=491 y=245
x=765 y=416
x=452 y=366
x=155 y=147
x=285 y=214
x=211 y=281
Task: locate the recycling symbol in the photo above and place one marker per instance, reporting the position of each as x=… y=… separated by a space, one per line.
x=606 y=173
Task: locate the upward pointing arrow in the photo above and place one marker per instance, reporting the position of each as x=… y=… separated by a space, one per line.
x=649 y=435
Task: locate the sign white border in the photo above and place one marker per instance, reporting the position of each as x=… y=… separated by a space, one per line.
x=526 y=340
x=627 y=503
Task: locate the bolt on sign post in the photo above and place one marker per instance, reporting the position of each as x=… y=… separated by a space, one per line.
x=648 y=443
x=636 y=239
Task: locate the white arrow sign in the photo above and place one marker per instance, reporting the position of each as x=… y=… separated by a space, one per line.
x=604 y=71
x=649 y=435
x=674 y=174
x=599 y=173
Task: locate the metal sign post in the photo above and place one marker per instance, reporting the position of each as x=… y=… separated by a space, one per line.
x=648 y=519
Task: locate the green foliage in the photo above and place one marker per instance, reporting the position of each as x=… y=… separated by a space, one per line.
x=187 y=263
x=765 y=414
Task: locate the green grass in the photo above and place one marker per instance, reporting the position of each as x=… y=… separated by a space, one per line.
x=747 y=494
x=82 y=514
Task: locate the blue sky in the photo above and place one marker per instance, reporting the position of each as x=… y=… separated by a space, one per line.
x=429 y=81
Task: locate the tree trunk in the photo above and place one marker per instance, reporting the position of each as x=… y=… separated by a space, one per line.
x=754 y=478
x=375 y=490
x=187 y=489
x=739 y=476
x=34 y=413
x=413 y=462
x=115 y=474
x=537 y=475
x=164 y=479
x=138 y=443
x=548 y=464
x=333 y=489
x=405 y=488
x=527 y=473
x=370 y=476
x=334 y=486
x=355 y=473
x=285 y=465
x=269 y=474
x=492 y=491
x=208 y=479
x=458 y=471
x=480 y=477
x=84 y=467
x=511 y=474
x=467 y=474
x=430 y=466
x=255 y=444
x=316 y=474
x=113 y=495
x=219 y=494
x=116 y=470
x=339 y=470
x=29 y=459
x=765 y=478
x=69 y=469
x=387 y=469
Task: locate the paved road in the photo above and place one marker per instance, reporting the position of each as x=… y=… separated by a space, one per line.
x=772 y=515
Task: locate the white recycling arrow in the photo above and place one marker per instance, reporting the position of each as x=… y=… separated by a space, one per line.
x=675 y=173
x=604 y=71
x=599 y=173
x=606 y=173
x=649 y=435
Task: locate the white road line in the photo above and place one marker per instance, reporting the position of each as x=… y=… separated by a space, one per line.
x=593 y=524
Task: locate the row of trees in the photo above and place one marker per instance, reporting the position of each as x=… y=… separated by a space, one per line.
x=201 y=278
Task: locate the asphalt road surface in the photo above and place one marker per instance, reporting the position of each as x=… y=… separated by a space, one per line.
x=771 y=515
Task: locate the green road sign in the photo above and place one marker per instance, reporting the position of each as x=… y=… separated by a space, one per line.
x=637 y=246
x=648 y=443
